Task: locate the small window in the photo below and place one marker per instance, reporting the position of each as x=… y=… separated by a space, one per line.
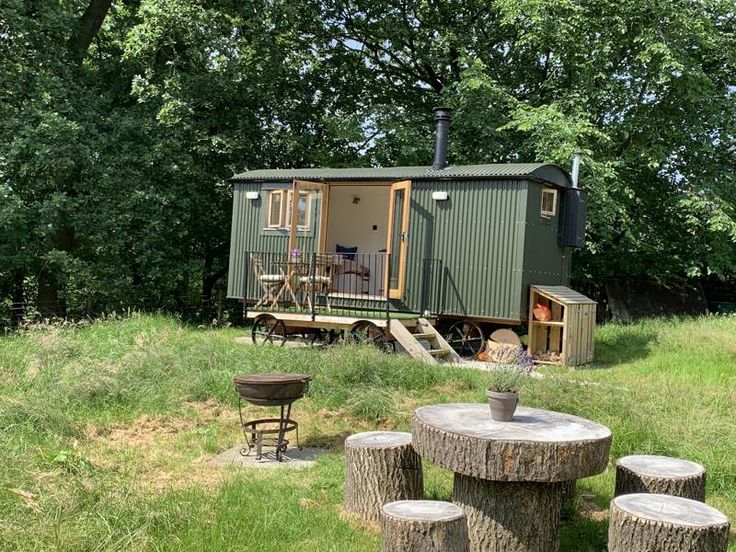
x=279 y=210
x=549 y=202
x=275 y=209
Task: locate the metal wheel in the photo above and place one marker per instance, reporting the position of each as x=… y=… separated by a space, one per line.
x=266 y=329
x=367 y=332
x=466 y=338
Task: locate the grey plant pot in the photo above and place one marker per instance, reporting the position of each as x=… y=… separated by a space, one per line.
x=503 y=404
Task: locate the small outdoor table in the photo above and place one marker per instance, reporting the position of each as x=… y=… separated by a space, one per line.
x=509 y=476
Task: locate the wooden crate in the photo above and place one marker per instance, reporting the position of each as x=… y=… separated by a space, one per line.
x=568 y=338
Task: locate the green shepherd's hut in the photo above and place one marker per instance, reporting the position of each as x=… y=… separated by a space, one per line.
x=445 y=254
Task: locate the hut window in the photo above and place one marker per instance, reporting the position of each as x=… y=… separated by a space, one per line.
x=549 y=202
x=279 y=210
x=275 y=209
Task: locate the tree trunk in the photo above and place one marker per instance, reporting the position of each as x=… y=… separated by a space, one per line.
x=423 y=526
x=663 y=523
x=660 y=475
x=49 y=303
x=509 y=516
x=88 y=26
x=381 y=467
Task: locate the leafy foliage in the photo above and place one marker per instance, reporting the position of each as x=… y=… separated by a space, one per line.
x=118 y=138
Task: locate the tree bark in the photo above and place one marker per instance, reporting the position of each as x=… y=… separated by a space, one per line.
x=508 y=459
x=508 y=516
x=638 y=524
x=88 y=26
x=380 y=467
x=423 y=526
x=686 y=483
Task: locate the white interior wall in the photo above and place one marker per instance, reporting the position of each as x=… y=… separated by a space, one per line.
x=351 y=224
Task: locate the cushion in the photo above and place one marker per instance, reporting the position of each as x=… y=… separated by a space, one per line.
x=347 y=252
x=271 y=278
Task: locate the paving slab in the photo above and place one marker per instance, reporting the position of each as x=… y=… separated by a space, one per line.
x=292 y=459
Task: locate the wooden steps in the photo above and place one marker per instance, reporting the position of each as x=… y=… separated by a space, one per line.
x=410 y=337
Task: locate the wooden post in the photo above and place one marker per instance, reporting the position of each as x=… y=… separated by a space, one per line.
x=423 y=526
x=663 y=523
x=381 y=467
x=660 y=475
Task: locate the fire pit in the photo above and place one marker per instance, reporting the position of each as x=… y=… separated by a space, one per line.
x=270 y=390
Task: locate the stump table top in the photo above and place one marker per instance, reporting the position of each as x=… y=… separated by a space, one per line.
x=379 y=439
x=672 y=510
x=423 y=510
x=537 y=445
x=661 y=466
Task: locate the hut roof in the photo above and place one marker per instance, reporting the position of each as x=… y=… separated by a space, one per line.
x=546 y=172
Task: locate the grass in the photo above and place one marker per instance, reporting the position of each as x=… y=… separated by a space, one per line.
x=105 y=431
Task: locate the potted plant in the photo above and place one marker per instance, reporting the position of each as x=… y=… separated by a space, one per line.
x=504 y=383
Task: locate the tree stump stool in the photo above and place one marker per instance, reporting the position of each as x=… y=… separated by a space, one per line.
x=660 y=475
x=381 y=467
x=423 y=526
x=509 y=476
x=664 y=523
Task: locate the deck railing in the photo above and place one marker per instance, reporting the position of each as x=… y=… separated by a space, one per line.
x=337 y=284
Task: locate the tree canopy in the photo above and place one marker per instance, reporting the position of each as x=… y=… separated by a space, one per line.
x=121 y=121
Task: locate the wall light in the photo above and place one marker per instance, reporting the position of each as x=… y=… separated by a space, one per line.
x=252 y=195
x=439 y=196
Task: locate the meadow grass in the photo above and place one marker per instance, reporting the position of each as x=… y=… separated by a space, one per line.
x=106 y=430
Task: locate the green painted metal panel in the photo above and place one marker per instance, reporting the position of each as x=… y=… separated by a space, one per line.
x=248 y=234
x=477 y=236
x=474 y=254
x=545 y=262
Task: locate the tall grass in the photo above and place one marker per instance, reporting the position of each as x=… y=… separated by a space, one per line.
x=664 y=387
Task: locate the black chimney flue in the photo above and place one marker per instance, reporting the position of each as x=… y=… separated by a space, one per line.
x=442 y=118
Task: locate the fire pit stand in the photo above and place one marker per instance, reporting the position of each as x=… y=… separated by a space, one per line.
x=270 y=390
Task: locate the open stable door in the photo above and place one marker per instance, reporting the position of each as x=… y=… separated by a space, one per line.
x=397 y=245
x=308 y=211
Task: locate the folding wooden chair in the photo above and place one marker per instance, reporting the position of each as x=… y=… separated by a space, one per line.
x=270 y=283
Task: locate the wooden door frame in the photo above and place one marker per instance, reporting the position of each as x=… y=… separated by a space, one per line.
x=296 y=187
x=398 y=292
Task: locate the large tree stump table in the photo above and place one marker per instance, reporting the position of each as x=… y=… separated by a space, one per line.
x=662 y=523
x=509 y=476
x=380 y=467
x=660 y=475
x=423 y=526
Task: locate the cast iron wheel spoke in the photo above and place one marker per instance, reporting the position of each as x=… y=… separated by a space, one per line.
x=369 y=333
x=267 y=329
x=466 y=338
x=277 y=333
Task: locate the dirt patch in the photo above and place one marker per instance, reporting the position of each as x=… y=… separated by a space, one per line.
x=156 y=451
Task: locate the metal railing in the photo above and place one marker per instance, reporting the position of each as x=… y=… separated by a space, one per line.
x=336 y=284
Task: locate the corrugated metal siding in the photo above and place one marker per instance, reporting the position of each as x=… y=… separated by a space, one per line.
x=545 y=262
x=478 y=234
x=247 y=234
